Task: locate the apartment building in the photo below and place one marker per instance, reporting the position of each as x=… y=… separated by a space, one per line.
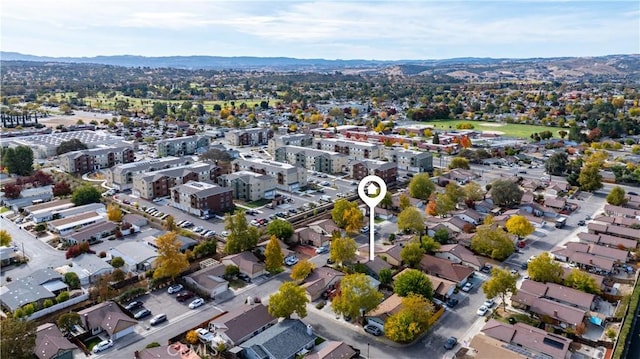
x=359 y=169
x=249 y=136
x=121 y=176
x=355 y=150
x=84 y=161
x=298 y=139
x=201 y=199
x=288 y=177
x=249 y=186
x=150 y=185
x=410 y=160
x=181 y=146
x=311 y=158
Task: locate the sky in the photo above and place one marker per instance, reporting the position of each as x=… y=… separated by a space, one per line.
x=371 y=30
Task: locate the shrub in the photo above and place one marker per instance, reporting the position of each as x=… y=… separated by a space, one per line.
x=102 y=254
x=29 y=309
x=132 y=293
x=321 y=305
x=47 y=303
x=152 y=345
x=62 y=297
x=18 y=313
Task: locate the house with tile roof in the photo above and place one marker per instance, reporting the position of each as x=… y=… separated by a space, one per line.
x=457 y=253
x=333 y=350
x=446 y=269
x=52 y=344
x=171 y=351
x=529 y=341
x=282 y=341
x=241 y=324
x=320 y=280
x=247 y=262
x=107 y=317
x=209 y=279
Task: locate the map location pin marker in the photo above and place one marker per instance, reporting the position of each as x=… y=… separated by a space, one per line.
x=372 y=190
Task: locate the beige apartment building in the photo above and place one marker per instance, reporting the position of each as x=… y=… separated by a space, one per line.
x=151 y=185
x=288 y=177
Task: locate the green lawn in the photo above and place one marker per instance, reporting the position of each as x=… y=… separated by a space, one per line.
x=92 y=342
x=4 y=209
x=509 y=129
x=258 y=203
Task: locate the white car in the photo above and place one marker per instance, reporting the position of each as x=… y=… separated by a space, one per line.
x=175 y=288
x=482 y=311
x=224 y=233
x=489 y=303
x=196 y=303
x=291 y=260
x=204 y=335
x=103 y=345
x=467 y=287
x=364 y=229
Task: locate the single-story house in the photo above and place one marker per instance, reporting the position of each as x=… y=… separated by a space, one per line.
x=52 y=344
x=93 y=233
x=44 y=212
x=618 y=231
x=457 y=253
x=241 y=324
x=135 y=220
x=89 y=268
x=175 y=350
x=608 y=240
x=282 y=341
x=185 y=242
x=470 y=215
x=137 y=255
x=387 y=308
x=443 y=268
x=262 y=247
x=538 y=342
x=107 y=317
x=247 y=262
x=333 y=350
x=36 y=287
x=320 y=280
x=67 y=225
x=8 y=255
x=392 y=255
x=209 y=279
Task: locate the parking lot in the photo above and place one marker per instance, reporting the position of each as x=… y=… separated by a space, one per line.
x=161 y=302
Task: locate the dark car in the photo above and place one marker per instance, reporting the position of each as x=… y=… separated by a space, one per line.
x=330 y=261
x=452 y=302
x=143 y=313
x=450 y=343
x=184 y=296
x=134 y=305
x=581 y=223
x=632 y=193
x=524 y=265
x=486 y=268
x=244 y=277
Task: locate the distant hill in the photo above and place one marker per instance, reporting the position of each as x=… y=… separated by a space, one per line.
x=602 y=68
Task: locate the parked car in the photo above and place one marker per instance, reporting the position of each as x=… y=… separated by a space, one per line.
x=489 y=303
x=452 y=302
x=103 y=345
x=322 y=249
x=204 y=335
x=364 y=229
x=224 y=233
x=158 y=319
x=184 y=296
x=486 y=268
x=175 y=288
x=373 y=330
x=581 y=223
x=133 y=305
x=482 y=311
x=196 y=303
x=325 y=183
x=244 y=277
x=515 y=273
x=291 y=260
x=330 y=261
x=450 y=343
x=467 y=287
x=143 y=313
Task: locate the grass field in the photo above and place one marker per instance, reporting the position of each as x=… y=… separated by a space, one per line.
x=507 y=129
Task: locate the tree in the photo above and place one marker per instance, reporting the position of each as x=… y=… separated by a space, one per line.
x=72 y=280
x=441 y=236
x=421 y=186
x=412 y=254
x=85 y=194
x=453 y=192
x=343 y=209
x=18 y=338
x=501 y=283
x=343 y=249
x=590 y=178
x=5 y=238
x=62 y=297
x=557 y=163
x=283 y=230
x=581 y=280
x=410 y=321
x=491 y=242
x=387 y=201
x=241 y=236
x=12 y=191
x=411 y=219
x=191 y=337
x=413 y=281
x=520 y=226
x=117 y=275
x=544 y=269
x=231 y=271
x=443 y=204
x=301 y=270
x=385 y=276
x=273 y=255
x=459 y=162
x=289 y=299
x=356 y=296
x=617 y=196
x=429 y=244
x=170 y=261
x=70 y=146
x=506 y=193
x=170 y=223
x=353 y=219
x=114 y=213
x=404 y=202
x=205 y=248
x=472 y=192
x=18 y=160
x=117 y=262
x=61 y=189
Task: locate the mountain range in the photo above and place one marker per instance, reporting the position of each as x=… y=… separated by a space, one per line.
x=611 y=67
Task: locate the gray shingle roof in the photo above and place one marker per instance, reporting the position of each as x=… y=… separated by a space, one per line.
x=281 y=341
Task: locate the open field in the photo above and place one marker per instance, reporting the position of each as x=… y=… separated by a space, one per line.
x=102 y=101
x=506 y=129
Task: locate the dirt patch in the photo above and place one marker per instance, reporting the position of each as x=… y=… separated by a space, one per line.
x=494 y=132
x=491 y=124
